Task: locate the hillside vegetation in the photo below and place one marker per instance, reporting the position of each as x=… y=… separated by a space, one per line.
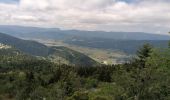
x=52 y=53
x=146 y=77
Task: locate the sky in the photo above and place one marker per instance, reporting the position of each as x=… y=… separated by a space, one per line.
x=152 y=16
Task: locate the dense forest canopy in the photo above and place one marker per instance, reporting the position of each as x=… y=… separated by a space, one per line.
x=146 y=77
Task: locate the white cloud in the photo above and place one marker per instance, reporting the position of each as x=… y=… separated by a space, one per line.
x=108 y=15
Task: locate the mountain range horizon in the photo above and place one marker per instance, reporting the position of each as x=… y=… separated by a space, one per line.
x=57 y=33
x=64 y=29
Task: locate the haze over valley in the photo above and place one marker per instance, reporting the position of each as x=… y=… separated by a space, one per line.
x=108 y=47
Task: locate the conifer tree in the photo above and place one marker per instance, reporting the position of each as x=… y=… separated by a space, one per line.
x=143 y=53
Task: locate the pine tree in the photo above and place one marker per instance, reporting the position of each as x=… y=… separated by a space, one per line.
x=143 y=53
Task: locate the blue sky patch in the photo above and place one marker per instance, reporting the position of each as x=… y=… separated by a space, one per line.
x=9 y=1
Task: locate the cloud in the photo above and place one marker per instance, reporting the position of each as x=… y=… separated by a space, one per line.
x=108 y=15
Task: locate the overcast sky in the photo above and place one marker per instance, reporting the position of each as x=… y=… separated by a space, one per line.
x=109 y=15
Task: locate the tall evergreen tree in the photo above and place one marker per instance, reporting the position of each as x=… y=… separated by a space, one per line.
x=143 y=53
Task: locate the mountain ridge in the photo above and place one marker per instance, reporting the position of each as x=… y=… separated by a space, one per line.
x=57 y=33
x=38 y=49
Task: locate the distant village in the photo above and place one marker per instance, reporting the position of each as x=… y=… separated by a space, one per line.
x=3 y=46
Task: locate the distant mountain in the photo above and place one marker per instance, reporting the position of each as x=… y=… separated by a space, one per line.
x=38 y=49
x=127 y=42
x=56 y=33
x=31 y=32
x=127 y=46
x=30 y=47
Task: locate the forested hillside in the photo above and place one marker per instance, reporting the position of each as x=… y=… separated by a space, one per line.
x=52 y=53
x=30 y=47
x=146 y=77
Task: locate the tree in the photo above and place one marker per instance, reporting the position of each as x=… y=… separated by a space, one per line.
x=143 y=53
x=137 y=78
x=159 y=69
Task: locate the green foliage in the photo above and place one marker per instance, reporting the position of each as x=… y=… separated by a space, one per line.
x=24 y=77
x=159 y=70
x=107 y=91
x=90 y=83
x=143 y=53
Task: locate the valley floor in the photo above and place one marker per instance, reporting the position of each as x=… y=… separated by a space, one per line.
x=103 y=56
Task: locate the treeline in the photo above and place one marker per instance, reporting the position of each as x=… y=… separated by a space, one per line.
x=145 y=77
